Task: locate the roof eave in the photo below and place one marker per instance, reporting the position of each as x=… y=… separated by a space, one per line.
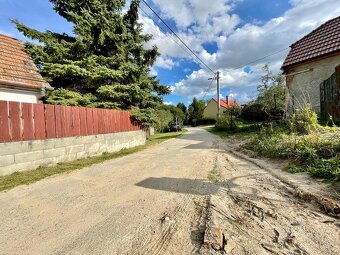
x=22 y=86
x=284 y=68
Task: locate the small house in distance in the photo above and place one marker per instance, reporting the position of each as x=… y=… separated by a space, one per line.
x=310 y=70
x=20 y=80
x=210 y=110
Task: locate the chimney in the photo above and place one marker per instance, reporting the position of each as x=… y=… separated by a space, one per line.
x=227 y=100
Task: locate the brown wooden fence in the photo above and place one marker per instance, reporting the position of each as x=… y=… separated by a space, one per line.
x=25 y=121
x=330 y=96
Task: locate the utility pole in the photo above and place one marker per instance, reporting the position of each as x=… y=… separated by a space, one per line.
x=218 y=95
x=217 y=78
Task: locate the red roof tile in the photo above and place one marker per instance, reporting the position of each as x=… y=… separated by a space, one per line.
x=324 y=40
x=16 y=67
x=226 y=104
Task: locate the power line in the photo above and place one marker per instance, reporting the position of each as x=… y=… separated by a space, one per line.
x=159 y=17
x=209 y=87
x=168 y=35
x=262 y=58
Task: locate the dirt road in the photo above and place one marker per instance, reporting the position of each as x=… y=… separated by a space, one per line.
x=159 y=201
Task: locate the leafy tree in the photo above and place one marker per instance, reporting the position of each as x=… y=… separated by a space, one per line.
x=182 y=107
x=195 y=111
x=266 y=79
x=270 y=102
x=175 y=111
x=164 y=117
x=104 y=60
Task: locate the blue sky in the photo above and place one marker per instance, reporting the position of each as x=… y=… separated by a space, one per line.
x=225 y=33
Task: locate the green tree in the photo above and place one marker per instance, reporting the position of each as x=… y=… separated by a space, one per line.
x=270 y=102
x=104 y=61
x=182 y=107
x=195 y=111
x=175 y=111
x=164 y=117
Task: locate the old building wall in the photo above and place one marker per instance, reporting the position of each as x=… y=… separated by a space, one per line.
x=304 y=88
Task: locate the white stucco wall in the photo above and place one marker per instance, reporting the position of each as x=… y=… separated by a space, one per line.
x=305 y=87
x=19 y=95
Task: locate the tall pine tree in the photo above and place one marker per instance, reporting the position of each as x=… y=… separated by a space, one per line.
x=103 y=64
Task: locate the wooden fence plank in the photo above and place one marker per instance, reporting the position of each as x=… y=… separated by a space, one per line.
x=107 y=128
x=114 y=121
x=83 y=124
x=68 y=121
x=27 y=121
x=89 y=121
x=4 y=123
x=39 y=121
x=15 y=121
x=50 y=121
x=101 y=121
x=95 y=121
x=75 y=121
x=59 y=121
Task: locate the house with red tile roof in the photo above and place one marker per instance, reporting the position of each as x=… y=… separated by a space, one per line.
x=210 y=110
x=20 y=80
x=312 y=60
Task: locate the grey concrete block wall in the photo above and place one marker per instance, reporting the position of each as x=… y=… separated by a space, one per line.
x=29 y=155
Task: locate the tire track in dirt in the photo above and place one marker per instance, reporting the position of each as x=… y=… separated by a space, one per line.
x=256 y=213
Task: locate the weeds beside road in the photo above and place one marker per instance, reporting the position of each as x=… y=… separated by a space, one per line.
x=317 y=153
x=27 y=177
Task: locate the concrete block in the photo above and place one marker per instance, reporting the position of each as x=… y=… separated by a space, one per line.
x=67 y=141
x=93 y=149
x=6 y=160
x=17 y=168
x=70 y=157
x=57 y=152
x=28 y=156
x=81 y=155
x=39 y=145
x=13 y=148
x=74 y=149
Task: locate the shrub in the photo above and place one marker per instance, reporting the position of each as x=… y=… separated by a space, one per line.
x=225 y=123
x=208 y=121
x=303 y=121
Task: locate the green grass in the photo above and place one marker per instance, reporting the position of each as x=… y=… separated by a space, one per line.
x=28 y=177
x=215 y=175
x=241 y=133
x=317 y=154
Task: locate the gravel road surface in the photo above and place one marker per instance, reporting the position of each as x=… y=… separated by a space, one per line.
x=158 y=201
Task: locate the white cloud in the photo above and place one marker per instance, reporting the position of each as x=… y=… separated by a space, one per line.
x=201 y=21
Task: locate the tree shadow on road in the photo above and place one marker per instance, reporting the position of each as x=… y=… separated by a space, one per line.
x=180 y=185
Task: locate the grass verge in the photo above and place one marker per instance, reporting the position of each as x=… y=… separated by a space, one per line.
x=239 y=134
x=20 y=178
x=317 y=154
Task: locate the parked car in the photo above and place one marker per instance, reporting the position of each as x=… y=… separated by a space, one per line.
x=174 y=127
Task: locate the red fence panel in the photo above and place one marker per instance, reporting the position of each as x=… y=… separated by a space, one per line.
x=4 y=123
x=83 y=124
x=27 y=121
x=75 y=121
x=39 y=121
x=50 y=121
x=68 y=121
x=15 y=121
x=89 y=121
x=59 y=121
x=95 y=121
